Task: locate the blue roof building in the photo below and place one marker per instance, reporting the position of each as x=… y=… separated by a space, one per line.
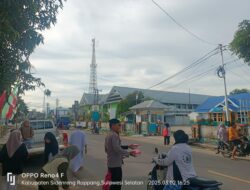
x=238 y=105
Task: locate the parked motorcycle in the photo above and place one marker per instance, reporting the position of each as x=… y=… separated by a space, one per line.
x=157 y=179
x=242 y=150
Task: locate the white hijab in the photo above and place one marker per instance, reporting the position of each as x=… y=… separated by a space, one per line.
x=13 y=143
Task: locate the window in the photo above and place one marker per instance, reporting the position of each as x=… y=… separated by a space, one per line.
x=48 y=125
x=144 y=118
x=153 y=118
x=214 y=117
x=159 y=117
x=243 y=117
x=195 y=106
x=219 y=116
x=37 y=125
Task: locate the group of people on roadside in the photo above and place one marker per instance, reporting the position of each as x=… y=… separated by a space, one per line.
x=233 y=134
x=14 y=154
x=179 y=158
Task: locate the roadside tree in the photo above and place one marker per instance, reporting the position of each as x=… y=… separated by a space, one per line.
x=239 y=91
x=241 y=42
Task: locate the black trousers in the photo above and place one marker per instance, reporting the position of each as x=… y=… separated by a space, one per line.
x=166 y=140
x=116 y=178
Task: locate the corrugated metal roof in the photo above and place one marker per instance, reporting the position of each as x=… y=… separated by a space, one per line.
x=150 y=104
x=88 y=99
x=161 y=96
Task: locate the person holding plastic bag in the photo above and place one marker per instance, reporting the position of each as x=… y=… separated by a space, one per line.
x=115 y=155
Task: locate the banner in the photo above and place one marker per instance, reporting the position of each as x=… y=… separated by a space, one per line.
x=2 y=100
x=10 y=105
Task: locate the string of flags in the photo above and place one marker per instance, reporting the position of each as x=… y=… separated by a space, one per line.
x=8 y=105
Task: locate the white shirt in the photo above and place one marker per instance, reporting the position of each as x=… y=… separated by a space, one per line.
x=182 y=155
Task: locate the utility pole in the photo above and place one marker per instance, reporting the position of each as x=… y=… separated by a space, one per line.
x=44 y=103
x=222 y=70
x=57 y=104
x=189 y=100
x=47 y=110
x=136 y=97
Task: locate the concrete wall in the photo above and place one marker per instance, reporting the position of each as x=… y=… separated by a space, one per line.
x=105 y=125
x=209 y=132
x=186 y=129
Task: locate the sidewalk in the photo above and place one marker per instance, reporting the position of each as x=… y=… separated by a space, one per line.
x=158 y=140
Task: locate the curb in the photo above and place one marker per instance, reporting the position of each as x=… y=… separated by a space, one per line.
x=213 y=148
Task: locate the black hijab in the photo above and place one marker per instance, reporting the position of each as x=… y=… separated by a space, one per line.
x=180 y=137
x=51 y=147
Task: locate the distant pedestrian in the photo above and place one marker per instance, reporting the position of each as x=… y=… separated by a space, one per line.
x=51 y=147
x=78 y=138
x=222 y=136
x=115 y=154
x=54 y=172
x=166 y=134
x=12 y=156
x=27 y=133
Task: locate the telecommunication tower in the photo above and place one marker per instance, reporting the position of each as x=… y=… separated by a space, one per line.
x=93 y=73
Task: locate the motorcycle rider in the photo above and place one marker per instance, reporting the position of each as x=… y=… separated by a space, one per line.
x=234 y=138
x=179 y=162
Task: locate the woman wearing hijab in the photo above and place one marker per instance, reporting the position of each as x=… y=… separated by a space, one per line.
x=78 y=138
x=179 y=161
x=57 y=170
x=13 y=155
x=51 y=146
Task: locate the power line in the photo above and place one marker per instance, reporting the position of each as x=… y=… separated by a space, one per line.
x=180 y=25
x=200 y=75
x=199 y=61
x=238 y=75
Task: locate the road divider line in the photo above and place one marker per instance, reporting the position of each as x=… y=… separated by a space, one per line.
x=228 y=176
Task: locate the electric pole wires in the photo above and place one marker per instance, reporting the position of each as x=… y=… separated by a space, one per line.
x=181 y=26
x=197 y=62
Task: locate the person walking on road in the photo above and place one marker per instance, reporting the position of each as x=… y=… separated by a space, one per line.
x=51 y=146
x=55 y=171
x=222 y=136
x=115 y=154
x=12 y=156
x=27 y=133
x=78 y=138
x=166 y=134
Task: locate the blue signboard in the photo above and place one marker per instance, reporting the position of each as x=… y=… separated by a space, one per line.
x=95 y=116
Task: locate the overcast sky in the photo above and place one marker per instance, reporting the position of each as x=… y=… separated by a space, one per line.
x=137 y=46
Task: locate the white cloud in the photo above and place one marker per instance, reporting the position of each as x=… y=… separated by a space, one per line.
x=137 y=46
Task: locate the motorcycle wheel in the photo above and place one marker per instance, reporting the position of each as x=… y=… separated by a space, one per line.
x=226 y=153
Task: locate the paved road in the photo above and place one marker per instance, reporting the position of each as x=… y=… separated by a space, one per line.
x=233 y=174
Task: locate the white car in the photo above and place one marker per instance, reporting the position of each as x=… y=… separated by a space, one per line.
x=40 y=128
